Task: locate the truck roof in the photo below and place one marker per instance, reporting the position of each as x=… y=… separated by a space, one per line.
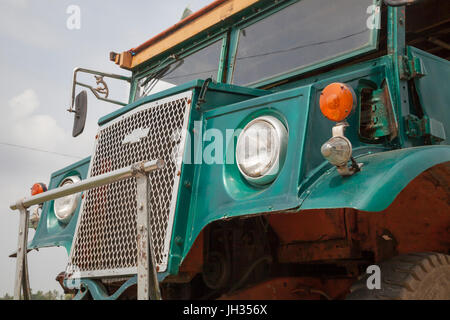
x=185 y=29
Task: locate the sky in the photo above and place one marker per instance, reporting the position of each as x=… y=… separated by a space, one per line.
x=38 y=53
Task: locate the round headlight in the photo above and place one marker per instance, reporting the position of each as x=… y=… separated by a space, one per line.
x=337 y=150
x=65 y=207
x=260 y=149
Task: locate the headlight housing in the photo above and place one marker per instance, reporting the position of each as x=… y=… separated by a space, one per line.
x=65 y=207
x=260 y=149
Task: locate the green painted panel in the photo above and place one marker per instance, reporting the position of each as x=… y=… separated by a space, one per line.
x=214 y=191
x=381 y=179
x=231 y=194
x=434 y=88
x=50 y=232
x=191 y=85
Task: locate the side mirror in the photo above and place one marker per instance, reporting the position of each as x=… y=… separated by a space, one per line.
x=80 y=113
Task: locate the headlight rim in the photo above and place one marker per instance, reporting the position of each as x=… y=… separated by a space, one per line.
x=275 y=167
x=68 y=218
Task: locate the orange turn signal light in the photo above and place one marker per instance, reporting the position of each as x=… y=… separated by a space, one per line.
x=337 y=101
x=38 y=188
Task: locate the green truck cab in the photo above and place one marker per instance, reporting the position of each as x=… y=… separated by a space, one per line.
x=303 y=142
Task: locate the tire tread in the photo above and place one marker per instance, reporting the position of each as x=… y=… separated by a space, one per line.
x=401 y=276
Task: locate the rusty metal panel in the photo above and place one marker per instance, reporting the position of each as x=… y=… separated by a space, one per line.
x=311 y=225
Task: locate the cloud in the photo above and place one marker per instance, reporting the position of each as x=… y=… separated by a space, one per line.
x=20 y=125
x=23 y=104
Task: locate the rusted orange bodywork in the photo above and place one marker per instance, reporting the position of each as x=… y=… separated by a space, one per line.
x=417 y=221
x=294 y=288
x=193 y=262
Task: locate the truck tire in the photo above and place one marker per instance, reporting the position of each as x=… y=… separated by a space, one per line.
x=413 y=276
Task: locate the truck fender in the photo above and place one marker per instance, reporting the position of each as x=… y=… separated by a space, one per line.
x=383 y=176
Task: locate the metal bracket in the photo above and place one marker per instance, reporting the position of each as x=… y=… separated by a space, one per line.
x=99 y=90
x=22 y=279
x=202 y=94
x=377 y=118
x=103 y=89
x=425 y=127
x=147 y=279
x=339 y=131
x=411 y=68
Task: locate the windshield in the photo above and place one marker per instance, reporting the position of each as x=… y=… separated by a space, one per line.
x=202 y=64
x=302 y=34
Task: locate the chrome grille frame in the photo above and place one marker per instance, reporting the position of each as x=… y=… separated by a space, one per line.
x=162 y=263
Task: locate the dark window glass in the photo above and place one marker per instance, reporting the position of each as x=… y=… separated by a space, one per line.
x=304 y=33
x=199 y=65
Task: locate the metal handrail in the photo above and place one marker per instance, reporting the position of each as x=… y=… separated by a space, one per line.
x=148 y=286
x=89 y=183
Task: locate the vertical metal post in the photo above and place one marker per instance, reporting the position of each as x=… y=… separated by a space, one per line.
x=22 y=278
x=397 y=48
x=147 y=280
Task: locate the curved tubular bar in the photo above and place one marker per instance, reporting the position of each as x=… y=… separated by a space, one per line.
x=99 y=73
x=98 y=292
x=89 y=183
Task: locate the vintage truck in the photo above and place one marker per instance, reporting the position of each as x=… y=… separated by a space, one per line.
x=298 y=151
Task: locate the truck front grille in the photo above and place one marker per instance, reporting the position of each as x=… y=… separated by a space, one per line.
x=105 y=239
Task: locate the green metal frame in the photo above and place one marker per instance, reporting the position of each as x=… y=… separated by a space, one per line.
x=230 y=36
x=50 y=231
x=183 y=52
x=234 y=43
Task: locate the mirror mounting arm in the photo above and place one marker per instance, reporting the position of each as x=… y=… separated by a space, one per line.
x=96 y=91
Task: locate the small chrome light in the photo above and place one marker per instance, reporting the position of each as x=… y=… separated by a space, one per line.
x=65 y=207
x=338 y=151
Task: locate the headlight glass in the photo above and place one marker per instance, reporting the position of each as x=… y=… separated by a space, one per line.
x=337 y=150
x=260 y=146
x=65 y=207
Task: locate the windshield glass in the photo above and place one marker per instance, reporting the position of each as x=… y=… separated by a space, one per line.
x=202 y=64
x=300 y=35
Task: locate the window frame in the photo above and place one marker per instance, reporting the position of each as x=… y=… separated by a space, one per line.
x=371 y=46
x=187 y=50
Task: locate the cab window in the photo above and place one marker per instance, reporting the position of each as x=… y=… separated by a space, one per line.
x=201 y=64
x=302 y=34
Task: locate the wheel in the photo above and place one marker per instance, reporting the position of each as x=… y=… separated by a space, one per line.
x=414 y=276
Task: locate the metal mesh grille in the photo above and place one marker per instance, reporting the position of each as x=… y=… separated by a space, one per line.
x=106 y=233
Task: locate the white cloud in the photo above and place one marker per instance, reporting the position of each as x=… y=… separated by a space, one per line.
x=20 y=125
x=38 y=130
x=23 y=104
